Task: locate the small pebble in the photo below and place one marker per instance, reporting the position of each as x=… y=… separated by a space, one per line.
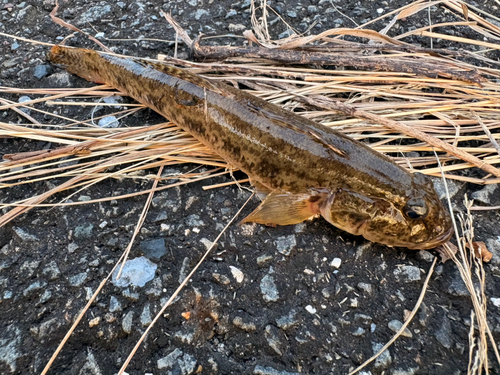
x=145 y=317
x=108 y=122
x=237 y=274
x=359 y=332
x=127 y=322
x=407 y=273
x=285 y=244
x=395 y=325
x=268 y=289
x=310 y=309
x=94 y=322
x=78 y=280
x=336 y=262
x=114 y=304
x=42 y=71
x=137 y=271
x=246 y=326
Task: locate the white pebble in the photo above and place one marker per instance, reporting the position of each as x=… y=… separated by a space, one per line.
x=310 y=309
x=336 y=262
x=495 y=301
x=237 y=274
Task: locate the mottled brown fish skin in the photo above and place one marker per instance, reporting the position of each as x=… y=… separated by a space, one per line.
x=276 y=148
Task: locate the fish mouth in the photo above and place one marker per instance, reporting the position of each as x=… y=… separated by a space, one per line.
x=435 y=242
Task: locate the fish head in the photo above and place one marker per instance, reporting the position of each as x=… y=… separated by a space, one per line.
x=415 y=220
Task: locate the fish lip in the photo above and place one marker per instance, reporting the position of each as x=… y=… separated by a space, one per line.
x=435 y=242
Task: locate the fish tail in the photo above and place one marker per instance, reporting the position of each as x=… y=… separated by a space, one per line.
x=82 y=62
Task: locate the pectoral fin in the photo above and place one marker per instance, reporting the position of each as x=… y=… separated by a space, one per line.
x=285 y=209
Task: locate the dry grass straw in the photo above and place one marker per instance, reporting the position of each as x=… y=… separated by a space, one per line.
x=449 y=110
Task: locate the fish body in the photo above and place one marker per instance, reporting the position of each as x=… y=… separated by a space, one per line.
x=306 y=167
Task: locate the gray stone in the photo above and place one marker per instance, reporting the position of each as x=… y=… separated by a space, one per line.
x=425 y=255
x=365 y=319
x=169 y=361
x=52 y=271
x=10 y=346
x=423 y=314
x=291 y=14
x=184 y=271
x=457 y=286
x=90 y=367
x=72 y=247
x=137 y=271
x=93 y=14
x=453 y=187
x=108 y=122
x=25 y=236
x=407 y=273
x=443 y=335
x=127 y=322
x=25 y=99
x=60 y=79
x=485 y=194
x=234 y=28
x=287 y=321
x=261 y=370
x=271 y=334
x=395 y=325
x=201 y=13
x=78 y=280
x=12 y=62
x=145 y=317
x=194 y=221
x=285 y=244
x=384 y=359
x=185 y=337
x=268 y=289
x=47 y=328
x=42 y=71
x=133 y=296
x=114 y=304
x=156 y=288
x=44 y=297
x=495 y=301
x=28 y=268
x=263 y=259
x=493 y=245
x=84 y=231
x=365 y=287
x=285 y=34
x=153 y=249
x=231 y=13
x=359 y=332
x=178 y=362
x=113 y=99
x=37 y=285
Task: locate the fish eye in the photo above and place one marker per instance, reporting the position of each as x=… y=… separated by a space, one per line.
x=415 y=209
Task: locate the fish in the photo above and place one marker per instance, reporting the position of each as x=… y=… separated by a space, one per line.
x=305 y=168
